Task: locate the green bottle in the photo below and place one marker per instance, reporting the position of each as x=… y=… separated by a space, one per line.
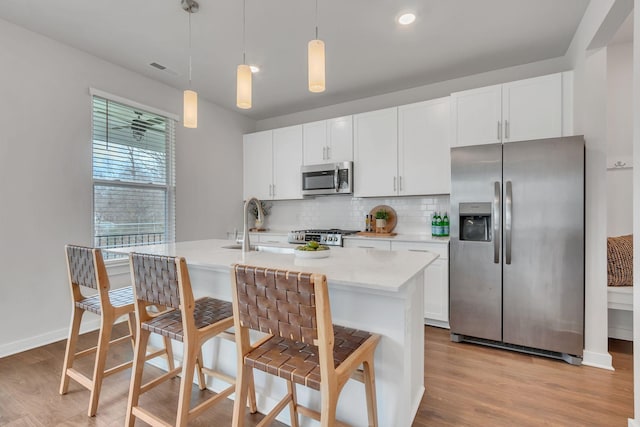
x=434 y=224
x=445 y=225
x=439 y=226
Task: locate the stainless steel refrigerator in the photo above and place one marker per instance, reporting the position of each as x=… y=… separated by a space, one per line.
x=517 y=246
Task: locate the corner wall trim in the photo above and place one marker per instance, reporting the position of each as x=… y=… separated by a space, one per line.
x=598 y=360
x=633 y=423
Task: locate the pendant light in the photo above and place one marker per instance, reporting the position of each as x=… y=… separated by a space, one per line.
x=316 y=61
x=243 y=76
x=190 y=119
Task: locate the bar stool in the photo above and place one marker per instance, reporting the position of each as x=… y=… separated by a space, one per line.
x=302 y=345
x=85 y=268
x=165 y=281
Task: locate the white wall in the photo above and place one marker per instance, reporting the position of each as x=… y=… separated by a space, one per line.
x=45 y=173
x=619 y=138
x=590 y=86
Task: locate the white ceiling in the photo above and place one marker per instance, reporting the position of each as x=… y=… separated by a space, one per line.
x=368 y=53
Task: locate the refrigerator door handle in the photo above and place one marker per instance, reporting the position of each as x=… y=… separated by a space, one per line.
x=508 y=219
x=496 y=222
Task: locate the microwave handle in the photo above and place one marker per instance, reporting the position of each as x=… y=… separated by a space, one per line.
x=336 y=181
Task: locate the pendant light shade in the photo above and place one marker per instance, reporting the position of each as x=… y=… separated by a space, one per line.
x=190 y=119
x=243 y=93
x=316 y=66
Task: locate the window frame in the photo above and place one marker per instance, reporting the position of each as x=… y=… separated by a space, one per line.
x=168 y=187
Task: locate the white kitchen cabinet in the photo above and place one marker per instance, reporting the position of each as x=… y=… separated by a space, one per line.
x=257 y=165
x=366 y=243
x=328 y=141
x=287 y=158
x=436 y=281
x=375 y=146
x=515 y=111
x=424 y=160
x=271 y=161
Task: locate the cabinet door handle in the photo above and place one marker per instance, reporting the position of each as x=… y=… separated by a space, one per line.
x=328 y=153
x=394 y=183
x=324 y=153
x=274 y=190
x=366 y=247
x=400 y=182
x=418 y=250
x=506 y=129
x=499 y=131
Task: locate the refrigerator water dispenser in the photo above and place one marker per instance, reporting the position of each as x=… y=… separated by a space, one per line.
x=475 y=222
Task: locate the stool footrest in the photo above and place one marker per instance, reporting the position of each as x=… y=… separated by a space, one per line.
x=159 y=380
x=81 y=379
x=148 y=417
x=198 y=409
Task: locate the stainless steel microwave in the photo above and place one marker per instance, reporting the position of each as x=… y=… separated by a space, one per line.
x=330 y=178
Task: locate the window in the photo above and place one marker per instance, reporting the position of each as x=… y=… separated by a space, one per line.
x=133 y=175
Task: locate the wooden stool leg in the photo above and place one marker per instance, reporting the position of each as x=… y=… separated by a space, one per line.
x=293 y=405
x=72 y=341
x=328 y=406
x=201 y=380
x=136 y=374
x=370 y=390
x=186 y=383
x=169 y=351
x=106 y=325
x=131 y=321
x=251 y=398
x=243 y=380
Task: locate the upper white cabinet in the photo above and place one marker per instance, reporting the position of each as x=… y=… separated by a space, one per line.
x=424 y=160
x=328 y=141
x=272 y=164
x=375 y=152
x=257 y=153
x=515 y=111
x=403 y=151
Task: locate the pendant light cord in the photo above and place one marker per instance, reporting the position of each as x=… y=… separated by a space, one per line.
x=244 y=31
x=316 y=19
x=189 y=11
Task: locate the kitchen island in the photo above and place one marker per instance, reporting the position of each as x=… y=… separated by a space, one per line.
x=378 y=291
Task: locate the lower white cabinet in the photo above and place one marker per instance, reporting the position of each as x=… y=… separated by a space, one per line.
x=436 y=281
x=366 y=243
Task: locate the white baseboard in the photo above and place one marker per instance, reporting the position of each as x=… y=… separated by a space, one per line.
x=620 y=334
x=597 y=360
x=436 y=323
x=44 y=339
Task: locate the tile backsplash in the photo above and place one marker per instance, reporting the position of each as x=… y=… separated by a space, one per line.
x=413 y=213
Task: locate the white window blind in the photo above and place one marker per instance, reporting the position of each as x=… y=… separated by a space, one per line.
x=133 y=175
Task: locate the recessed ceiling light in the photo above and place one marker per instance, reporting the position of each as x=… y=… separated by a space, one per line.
x=406 y=18
x=254 y=68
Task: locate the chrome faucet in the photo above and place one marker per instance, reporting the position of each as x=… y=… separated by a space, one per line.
x=246 y=246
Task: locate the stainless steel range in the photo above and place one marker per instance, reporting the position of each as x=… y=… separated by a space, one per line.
x=330 y=237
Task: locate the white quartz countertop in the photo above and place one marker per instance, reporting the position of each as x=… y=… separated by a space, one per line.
x=353 y=267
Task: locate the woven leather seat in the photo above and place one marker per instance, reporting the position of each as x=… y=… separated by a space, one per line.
x=120 y=297
x=86 y=269
x=165 y=280
x=302 y=345
x=207 y=311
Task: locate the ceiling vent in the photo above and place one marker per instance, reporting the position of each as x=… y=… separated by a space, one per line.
x=163 y=68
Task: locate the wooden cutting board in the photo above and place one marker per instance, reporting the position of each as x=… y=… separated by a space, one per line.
x=391 y=221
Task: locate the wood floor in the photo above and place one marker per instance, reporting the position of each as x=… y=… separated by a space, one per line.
x=467 y=385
